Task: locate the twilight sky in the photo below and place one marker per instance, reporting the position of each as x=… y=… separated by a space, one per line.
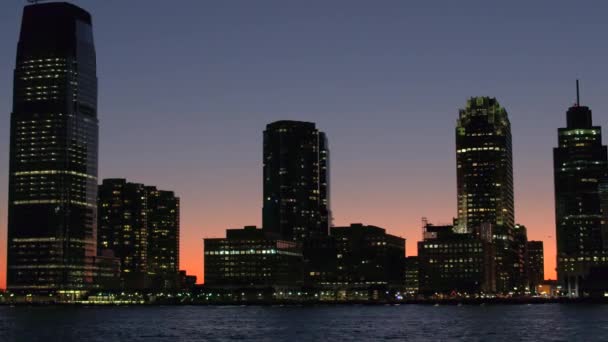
x=187 y=87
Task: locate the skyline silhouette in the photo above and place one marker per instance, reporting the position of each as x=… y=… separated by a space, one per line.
x=184 y=100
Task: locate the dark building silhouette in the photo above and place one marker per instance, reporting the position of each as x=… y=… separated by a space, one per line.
x=580 y=170
x=247 y=258
x=368 y=257
x=535 y=264
x=453 y=263
x=296 y=181
x=485 y=181
x=53 y=152
x=140 y=225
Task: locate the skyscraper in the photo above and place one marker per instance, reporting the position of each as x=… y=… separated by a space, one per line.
x=140 y=225
x=53 y=152
x=296 y=181
x=485 y=179
x=163 y=236
x=580 y=166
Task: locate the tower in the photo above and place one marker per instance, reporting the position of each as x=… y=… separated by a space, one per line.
x=484 y=171
x=580 y=169
x=53 y=152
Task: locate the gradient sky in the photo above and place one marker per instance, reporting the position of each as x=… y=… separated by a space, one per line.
x=187 y=87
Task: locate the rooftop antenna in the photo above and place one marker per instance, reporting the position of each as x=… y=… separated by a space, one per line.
x=578 y=102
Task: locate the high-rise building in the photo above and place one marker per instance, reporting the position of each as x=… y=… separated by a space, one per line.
x=163 y=236
x=123 y=228
x=296 y=181
x=140 y=225
x=485 y=180
x=580 y=168
x=535 y=264
x=52 y=211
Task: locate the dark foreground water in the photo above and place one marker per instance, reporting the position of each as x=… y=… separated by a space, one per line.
x=548 y=322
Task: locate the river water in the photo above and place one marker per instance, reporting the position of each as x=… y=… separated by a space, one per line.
x=546 y=322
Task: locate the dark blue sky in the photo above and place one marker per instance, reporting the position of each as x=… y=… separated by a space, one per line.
x=186 y=88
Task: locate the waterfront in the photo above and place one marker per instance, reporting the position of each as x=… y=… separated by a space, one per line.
x=543 y=322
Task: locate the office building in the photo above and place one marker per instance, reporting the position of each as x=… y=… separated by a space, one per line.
x=247 y=258
x=485 y=180
x=296 y=181
x=456 y=264
x=580 y=169
x=52 y=211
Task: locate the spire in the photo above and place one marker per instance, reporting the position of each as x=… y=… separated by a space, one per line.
x=578 y=102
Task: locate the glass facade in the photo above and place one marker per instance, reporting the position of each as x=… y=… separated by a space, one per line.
x=580 y=172
x=53 y=152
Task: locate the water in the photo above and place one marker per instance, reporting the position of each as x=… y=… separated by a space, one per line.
x=548 y=322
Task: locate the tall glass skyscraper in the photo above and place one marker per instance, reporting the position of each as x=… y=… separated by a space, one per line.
x=53 y=152
x=485 y=180
x=580 y=168
x=296 y=181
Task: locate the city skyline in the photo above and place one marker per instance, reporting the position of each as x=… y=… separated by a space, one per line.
x=414 y=184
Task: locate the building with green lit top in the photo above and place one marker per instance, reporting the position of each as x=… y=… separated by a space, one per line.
x=485 y=181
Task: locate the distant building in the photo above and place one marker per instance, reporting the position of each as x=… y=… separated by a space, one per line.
x=411 y=275
x=296 y=181
x=368 y=257
x=535 y=264
x=53 y=153
x=140 y=225
x=484 y=171
x=580 y=170
x=247 y=258
x=455 y=263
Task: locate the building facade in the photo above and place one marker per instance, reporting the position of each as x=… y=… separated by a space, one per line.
x=580 y=170
x=453 y=263
x=485 y=180
x=52 y=211
x=140 y=225
x=368 y=257
x=296 y=181
x=247 y=258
